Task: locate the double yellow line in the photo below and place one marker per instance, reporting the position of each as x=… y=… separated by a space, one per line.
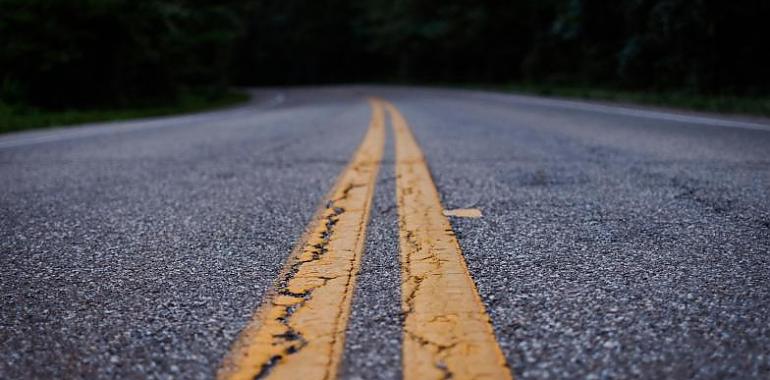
x=299 y=331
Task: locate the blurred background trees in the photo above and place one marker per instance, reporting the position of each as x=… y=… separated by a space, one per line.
x=86 y=53
x=62 y=53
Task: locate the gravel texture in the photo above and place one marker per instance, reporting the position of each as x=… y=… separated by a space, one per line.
x=143 y=254
x=612 y=245
x=373 y=341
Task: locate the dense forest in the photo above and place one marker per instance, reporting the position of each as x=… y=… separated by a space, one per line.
x=93 y=53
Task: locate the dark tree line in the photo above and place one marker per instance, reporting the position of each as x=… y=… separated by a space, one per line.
x=58 y=53
x=61 y=53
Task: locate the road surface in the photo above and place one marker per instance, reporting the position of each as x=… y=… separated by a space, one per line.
x=613 y=242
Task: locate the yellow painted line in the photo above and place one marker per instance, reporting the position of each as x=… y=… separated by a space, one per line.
x=299 y=331
x=447 y=332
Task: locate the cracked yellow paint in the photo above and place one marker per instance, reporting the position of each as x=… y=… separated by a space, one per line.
x=447 y=332
x=298 y=333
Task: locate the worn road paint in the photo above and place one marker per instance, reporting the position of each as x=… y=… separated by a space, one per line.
x=447 y=332
x=298 y=333
x=463 y=213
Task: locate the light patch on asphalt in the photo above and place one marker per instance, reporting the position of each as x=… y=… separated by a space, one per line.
x=464 y=213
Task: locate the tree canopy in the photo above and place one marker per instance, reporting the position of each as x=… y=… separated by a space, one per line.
x=114 y=52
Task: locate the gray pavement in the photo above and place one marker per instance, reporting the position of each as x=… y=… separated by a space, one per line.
x=616 y=242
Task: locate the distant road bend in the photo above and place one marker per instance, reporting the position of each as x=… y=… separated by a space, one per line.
x=365 y=232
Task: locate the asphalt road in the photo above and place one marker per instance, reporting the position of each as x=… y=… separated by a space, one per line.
x=615 y=242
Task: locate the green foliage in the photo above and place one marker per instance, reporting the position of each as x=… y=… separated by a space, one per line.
x=19 y=117
x=112 y=53
x=755 y=105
